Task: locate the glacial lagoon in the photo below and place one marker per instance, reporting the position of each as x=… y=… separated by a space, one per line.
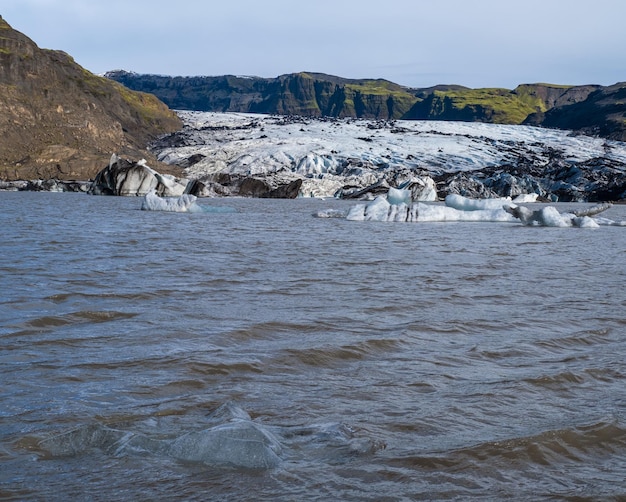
x=359 y=360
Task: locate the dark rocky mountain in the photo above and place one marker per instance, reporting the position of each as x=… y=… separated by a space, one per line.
x=306 y=94
x=60 y=121
x=587 y=108
x=602 y=113
x=496 y=105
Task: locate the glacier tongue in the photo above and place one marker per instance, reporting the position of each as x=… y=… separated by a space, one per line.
x=335 y=156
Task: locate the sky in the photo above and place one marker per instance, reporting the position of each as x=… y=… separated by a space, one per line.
x=415 y=43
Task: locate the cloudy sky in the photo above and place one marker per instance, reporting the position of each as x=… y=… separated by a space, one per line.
x=417 y=43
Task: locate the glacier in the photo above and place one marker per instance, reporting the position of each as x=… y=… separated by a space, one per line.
x=343 y=157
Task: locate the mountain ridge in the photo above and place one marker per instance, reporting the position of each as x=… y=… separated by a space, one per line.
x=315 y=94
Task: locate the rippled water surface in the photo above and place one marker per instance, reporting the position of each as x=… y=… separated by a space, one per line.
x=392 y=361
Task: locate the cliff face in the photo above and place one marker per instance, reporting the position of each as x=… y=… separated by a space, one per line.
x=308 y=94
x=60 y=121
x=525 y=104
x=319 y=95
x=602 y=113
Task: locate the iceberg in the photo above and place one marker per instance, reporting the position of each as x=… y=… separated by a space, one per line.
x=466 y=204
x=128 y=178
x=422 y=188
x=549 y=216
x=394 y=207
x=380 y=209
x=185 y=203
x=398 y=196
x=182 y=204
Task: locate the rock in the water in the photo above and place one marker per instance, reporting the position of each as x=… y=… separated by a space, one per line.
x=265 y=188
x=202 y=188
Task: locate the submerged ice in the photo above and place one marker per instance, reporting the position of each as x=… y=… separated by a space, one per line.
x=230 y=439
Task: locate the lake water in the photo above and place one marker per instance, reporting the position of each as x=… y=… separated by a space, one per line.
x=392 y=361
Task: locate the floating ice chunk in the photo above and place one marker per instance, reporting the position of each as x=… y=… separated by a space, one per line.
x=549 y=216
x=458 y=208
x=173 y=187
x=607 y=222
x=356 y=213
x=80 y=439
x=585 y=222
x=398 y=196
x=381 y=210
x=185 y=203
x=182 y=204
x=377 y=210
x=331 y=213
x=423 y=188
x=434 y=213
x=230 y=438
x=466 y=204
x=334 y=442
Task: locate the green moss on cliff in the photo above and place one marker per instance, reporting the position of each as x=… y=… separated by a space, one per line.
x=499 y=105
x=496 y=105
x=539 y=96
x=147 y=106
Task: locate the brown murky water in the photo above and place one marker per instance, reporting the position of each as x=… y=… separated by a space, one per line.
x=391 y=361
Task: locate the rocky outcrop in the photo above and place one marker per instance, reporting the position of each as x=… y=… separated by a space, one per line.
x=270 y=187
x=59 y=121
x=547 y=96
x=602 y=113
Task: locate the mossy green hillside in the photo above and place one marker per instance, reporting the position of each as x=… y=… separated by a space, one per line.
x=495 y=105
x=60 y=120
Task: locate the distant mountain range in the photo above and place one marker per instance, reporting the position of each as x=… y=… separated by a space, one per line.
x=589 y=109
x=59 y=120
